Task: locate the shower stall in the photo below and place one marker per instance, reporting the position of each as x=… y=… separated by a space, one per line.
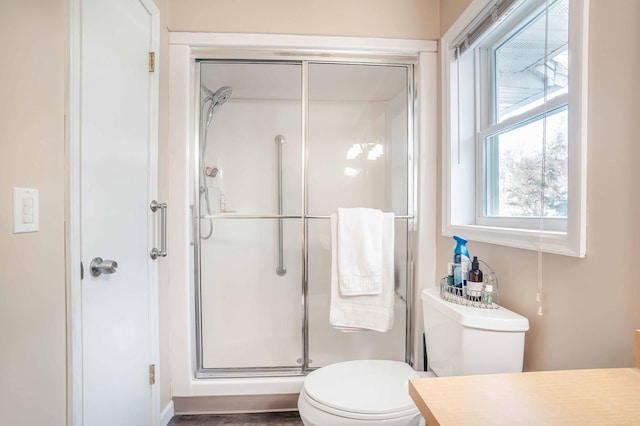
x=281 y=144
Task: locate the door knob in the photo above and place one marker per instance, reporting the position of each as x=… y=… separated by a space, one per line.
x=99 y=266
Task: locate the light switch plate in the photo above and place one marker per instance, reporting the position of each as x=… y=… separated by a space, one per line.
x=25 y=210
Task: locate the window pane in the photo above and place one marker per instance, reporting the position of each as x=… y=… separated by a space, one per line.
x=521 y=181
x=521 y=69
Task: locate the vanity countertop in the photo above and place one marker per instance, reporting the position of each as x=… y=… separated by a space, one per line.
x=580 y=397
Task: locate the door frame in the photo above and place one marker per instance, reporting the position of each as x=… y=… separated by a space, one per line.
x=73 y=254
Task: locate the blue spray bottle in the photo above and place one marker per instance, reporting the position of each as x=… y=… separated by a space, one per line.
x=462 y=264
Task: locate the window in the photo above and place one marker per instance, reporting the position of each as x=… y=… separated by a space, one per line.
x=514 y=107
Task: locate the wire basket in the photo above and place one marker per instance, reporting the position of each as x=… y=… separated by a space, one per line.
x=485 y=300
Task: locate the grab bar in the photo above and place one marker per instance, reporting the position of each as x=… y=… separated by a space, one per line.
x=162 y=251
x=280 y=270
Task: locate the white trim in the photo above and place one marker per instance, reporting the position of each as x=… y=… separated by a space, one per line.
x=167 y=414
x=547 y=242
x=73 y=218
x=573 y=243
x=152 y=265
x=178 y=222
x=303 y=42
x=184 y=48
x=578 y=116
x=427 y=191
x=445 y=111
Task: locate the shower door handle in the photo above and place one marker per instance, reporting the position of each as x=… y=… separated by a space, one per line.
x=280 y=270
x=162 y=251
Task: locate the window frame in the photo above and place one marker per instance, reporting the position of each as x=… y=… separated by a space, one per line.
x=543 y=234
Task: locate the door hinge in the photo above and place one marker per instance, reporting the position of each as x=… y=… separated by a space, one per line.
x=152 y=374
x=81 y=271
x=152 y=61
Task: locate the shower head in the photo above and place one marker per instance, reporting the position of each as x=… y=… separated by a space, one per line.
x=219 y=97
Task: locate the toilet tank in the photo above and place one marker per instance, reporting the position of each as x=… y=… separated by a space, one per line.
x=463 y=340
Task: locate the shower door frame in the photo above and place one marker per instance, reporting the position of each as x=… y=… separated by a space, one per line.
x=176 y=285
x=233 y=372
x=408 y=63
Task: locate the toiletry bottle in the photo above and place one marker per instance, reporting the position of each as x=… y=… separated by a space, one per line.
x=223 y=203
x=450 y=276
x=461 y=257
x=474 y=283
x=488 y=294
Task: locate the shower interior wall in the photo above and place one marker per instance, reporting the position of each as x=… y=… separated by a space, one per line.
x=330 y=187
x=251 y=317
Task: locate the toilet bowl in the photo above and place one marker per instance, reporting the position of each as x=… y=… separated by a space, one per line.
x=358 y=393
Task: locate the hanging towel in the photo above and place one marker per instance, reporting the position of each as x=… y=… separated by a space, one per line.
x=365 y=312
x=359 y=251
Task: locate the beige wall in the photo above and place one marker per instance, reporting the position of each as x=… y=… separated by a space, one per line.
x=412 y=19
x=32 y=275
x=449 y=12
x=592 y=305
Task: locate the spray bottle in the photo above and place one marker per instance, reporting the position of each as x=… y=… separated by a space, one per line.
x=462 y=265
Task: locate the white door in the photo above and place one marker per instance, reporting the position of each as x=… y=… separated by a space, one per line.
x=117 y=185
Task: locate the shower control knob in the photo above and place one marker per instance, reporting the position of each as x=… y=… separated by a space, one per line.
x=211 y=171
x=100 y=266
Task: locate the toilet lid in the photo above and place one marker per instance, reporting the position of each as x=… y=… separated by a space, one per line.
x=372 y=387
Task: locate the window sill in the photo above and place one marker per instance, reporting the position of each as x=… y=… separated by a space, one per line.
x=545 y=241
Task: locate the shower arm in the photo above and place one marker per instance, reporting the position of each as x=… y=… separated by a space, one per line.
x=280 y=270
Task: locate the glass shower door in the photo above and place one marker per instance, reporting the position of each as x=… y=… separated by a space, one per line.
x=274 y=160
x=248 y=284
x=359 y=145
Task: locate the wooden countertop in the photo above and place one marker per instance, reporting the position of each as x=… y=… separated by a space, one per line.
x=568 y=397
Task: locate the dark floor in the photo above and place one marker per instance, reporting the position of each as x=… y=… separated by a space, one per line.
x=262 y=419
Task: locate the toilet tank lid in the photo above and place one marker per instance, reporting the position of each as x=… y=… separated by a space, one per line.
x=500 y=319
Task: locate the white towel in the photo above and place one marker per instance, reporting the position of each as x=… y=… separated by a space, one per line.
x=370 y=312
x=359 y=251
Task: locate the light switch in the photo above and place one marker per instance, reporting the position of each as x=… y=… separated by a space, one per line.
x=25 y=210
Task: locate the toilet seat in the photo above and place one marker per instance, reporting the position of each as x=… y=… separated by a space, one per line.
x=371 y=390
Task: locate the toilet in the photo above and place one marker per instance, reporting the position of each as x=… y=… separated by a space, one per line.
x=357 y=393
x=460 y=340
